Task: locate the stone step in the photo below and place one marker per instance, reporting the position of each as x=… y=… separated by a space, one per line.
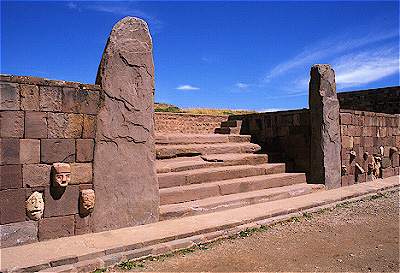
x=226 y=202
x=193 y=192
x=231 y=123
x=223 y=130
x=174 y=179
x=169 y=151
x=208 y=161
x=177 y=139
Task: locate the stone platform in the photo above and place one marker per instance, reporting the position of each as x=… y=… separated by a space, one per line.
x=90 y=251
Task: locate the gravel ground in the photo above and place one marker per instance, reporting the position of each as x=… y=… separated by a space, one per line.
x=360 y=237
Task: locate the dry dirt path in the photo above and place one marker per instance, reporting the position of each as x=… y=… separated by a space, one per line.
x=360 y=237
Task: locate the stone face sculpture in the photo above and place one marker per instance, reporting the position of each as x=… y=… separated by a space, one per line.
x=35 y=206
x=86 y=201
x=61 y=174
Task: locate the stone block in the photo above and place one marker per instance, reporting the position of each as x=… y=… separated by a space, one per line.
x=347 y=142
x=84 y=150
x=81 y=173
x=9 y=96
x=89 y=126
x=386 y=162
x=74 y=126
x=388 y=172
x=10 y=177
x=346 y=118
x=18 y=233
x=85 y=186
x=36 y=175
x=29 y=97
x=57 y=124
x=77 y=100
x=83 y=225
x=12 y=206
x=395 y=159
x=56 y=227
x=361 y=177
x=29 y=151
x=9 y=151
x=57 y=150
x=12 y=124
x=35 y=125
x=50 y=98
x=61 y=201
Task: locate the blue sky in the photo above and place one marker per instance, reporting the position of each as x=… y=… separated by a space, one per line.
x=237 y=55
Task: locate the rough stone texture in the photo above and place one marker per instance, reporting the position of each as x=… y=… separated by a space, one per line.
x=29 y=97
x=52 y=228
x=9 y=151
x=124 y=160
x=18 y=233
x=89 y=126
x=57 y=124
x=325 y=161
x=10 y=177
x=9 y=96
x=84 y=150
x=29 y=151
x=81 y=173
x=12 y=124
x=61 y=201
x=77 y=100
x=12 y=207
x=83 y=225
x=50 y=98
x=57 y=150
x=74 y=126
x=35 y=125
x=36 y=175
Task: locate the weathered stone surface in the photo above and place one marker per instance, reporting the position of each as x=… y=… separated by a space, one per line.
x=18 y=233
x=9 y=96
x=89 y=126
x=29 y=151
x=50 y=98
x=325 y=161
x=56 y=227
x=57 y=124
x=12 y=124
x=35 y=125
x=57 y=150
x=29 y=97
x=35 y=206
x=77 y=100
x=84 y=150
x=10 y=177
x=12 y=207
x=9 y=151
x=60 y=174
x=61 y=201
x=124 y=160
x=83 y=225
x=74 y=126
x=81 y=173
x=86 y=201
x=36 y=175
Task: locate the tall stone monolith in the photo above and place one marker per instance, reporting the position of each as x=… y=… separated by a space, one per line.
x=125 y=179
x=325 y=162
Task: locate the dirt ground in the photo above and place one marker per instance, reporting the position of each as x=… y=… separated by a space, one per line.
x=357 y=237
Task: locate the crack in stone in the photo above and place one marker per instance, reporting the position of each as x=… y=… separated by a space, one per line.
x=125 y=102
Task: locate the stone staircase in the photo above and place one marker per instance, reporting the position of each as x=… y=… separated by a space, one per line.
x=203 y=173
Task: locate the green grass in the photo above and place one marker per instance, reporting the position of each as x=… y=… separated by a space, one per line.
x=168 y=108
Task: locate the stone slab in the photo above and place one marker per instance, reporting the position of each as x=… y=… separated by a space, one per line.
x=50 y=98
x=12 y=124
x=9 y=96
x=55 y=227
x=12 y=206
x=18 y=233
x=29 y=151
x=81 y=173
x=84 y=150
x=9 y=151
x=89 y=126
x=35 y=124
x=57 y=150
x=10 y=177
x=36 y=175
x=61 y=201
x=29 y=97
x=57 y=124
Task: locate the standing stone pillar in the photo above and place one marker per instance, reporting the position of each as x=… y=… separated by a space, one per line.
x=325 y=162
x=125 y=179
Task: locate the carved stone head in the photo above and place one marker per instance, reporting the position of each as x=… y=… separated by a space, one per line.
x=61 y=174
x=35 y=206
x=86 y=204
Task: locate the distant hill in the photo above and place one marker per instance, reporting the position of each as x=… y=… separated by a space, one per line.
x=163 y=107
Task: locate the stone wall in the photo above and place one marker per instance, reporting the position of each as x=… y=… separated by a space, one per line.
x=381 y=100
x=42 y=122
x=187 y=123
x=363 y=134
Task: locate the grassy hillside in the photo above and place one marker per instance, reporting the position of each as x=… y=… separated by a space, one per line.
x=163 y=107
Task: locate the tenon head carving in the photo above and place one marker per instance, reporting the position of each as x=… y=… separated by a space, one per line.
x=61 y=174
x=35 y=206
x=86 y=201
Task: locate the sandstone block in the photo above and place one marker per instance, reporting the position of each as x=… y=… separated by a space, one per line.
x=81 y=173
x=9 y=96
x=56 y=227
x=125 y=131
x=57 y=150
x=57 y=124
x=36 y=175
x=61 y=201
x=74 y=126
x=50 y=98
x=35 y=125
x=12 y=206
x=84 y=150
x=346 y=118
x=388 y=172
x=18 y=233
x=29 y=151
x=78 y=100
x=12 y=124
x=83 y=225
x=9 y=151
x=10 y=177
x=89 y=126
x=29 y=97
x=347 y=142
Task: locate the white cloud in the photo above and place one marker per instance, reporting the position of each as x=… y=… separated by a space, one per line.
x=272 y=110
x=73 y=5
x=187 y=87
x=241 y=85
